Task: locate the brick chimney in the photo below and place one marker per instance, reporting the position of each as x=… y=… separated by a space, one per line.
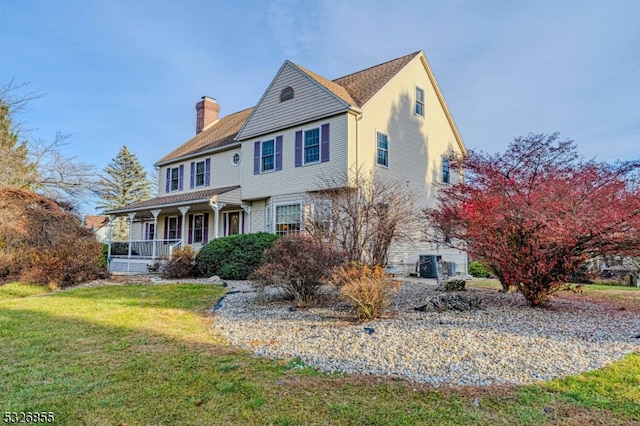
x=206 y=113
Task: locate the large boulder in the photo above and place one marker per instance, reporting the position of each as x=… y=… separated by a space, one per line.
x=451 y=302
x=42 y=242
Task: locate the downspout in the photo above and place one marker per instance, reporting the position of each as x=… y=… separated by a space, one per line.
x=358 y=117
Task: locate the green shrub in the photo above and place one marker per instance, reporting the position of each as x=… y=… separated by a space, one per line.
x=297 y=264
x=233 y=257
x=479 y=270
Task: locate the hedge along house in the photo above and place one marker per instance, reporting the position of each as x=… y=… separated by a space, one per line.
x=253 y=170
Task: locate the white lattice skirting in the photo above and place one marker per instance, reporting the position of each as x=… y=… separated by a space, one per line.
x=129 y=265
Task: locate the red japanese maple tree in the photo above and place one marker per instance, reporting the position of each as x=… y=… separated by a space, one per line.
x=536 y=213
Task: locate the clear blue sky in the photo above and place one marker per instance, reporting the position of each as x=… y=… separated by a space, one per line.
x=130 y=72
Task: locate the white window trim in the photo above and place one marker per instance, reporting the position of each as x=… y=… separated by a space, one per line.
x=268 y=207
x=415 y=98
x=233 y=163
x=275 y=215
x=274 y=156
x=386 y=166
x=444 y=158
x=168 y=219
x=193 y=229
x=195 y=174
x=304 y=134
x=177 y=188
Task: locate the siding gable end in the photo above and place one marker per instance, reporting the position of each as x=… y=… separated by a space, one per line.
x=311 y=101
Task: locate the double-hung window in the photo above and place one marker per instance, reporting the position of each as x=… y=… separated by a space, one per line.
x=445 y=170
x=197 y=231
x=419 y=102
x=174 y=178
x=288 y=219
x=312 y=145
x=268 y=156
x=199 y=173
x=172 y=228
x=382 y=157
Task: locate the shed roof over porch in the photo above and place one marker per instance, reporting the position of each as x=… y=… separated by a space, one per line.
x=227 y=194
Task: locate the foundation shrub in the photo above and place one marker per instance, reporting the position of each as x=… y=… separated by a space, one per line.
x=368 y=289
x=181 y=264
x=298 y=265
x=234 y=257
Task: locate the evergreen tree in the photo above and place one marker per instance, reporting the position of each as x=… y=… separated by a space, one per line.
x=15 y=167
x=124 y=181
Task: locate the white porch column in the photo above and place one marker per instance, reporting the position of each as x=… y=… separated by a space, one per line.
x=247 y=210
x=216 y=206
x=131 y=216
x=183 y=212
x=155 y=214
x=111 y=219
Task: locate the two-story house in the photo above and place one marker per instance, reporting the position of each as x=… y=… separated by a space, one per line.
x=251 y=171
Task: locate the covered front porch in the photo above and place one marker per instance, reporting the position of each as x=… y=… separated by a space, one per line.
x=159 y=226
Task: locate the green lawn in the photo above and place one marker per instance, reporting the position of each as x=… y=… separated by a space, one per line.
x=144 y=355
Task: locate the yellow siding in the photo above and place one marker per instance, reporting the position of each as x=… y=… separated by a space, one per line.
x=223 y=172
x=293 y=179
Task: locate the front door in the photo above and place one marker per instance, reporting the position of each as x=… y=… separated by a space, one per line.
x=234 y=223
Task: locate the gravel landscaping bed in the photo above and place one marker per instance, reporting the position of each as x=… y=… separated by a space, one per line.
x=504 y=342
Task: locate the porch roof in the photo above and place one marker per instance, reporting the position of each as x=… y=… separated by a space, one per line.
x=173 y=200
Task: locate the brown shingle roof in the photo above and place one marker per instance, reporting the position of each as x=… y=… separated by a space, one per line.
x=95 y=222
x=220 y=134
x=362 y=85
x=336 y=89
x=355 y=89
x=167 y=200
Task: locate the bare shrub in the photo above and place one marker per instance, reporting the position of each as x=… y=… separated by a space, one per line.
x=363 y=215
x=297 y=264
x=368 y=289
x=181 y=265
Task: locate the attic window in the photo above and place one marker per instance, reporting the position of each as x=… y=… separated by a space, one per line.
x=286 y=94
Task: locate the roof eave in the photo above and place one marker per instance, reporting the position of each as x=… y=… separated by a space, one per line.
x=234 y=144
x=443 y=104
x=350 y=109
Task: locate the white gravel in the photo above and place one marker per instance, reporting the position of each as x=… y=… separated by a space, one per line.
x=505 y=342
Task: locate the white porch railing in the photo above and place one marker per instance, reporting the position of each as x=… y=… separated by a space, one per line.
x=143 y=249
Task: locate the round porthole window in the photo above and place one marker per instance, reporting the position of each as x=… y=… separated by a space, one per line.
x=235 y=158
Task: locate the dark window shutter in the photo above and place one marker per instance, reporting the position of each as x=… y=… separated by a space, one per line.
x=168 y=184
x=179 y=231
x=207 y=172
x=190 y=229
x=205 y=229
x=256 y=158
x=324 y=143
x=193 y=175
x=181 y=177
x=299 y=148
x=278 y=152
